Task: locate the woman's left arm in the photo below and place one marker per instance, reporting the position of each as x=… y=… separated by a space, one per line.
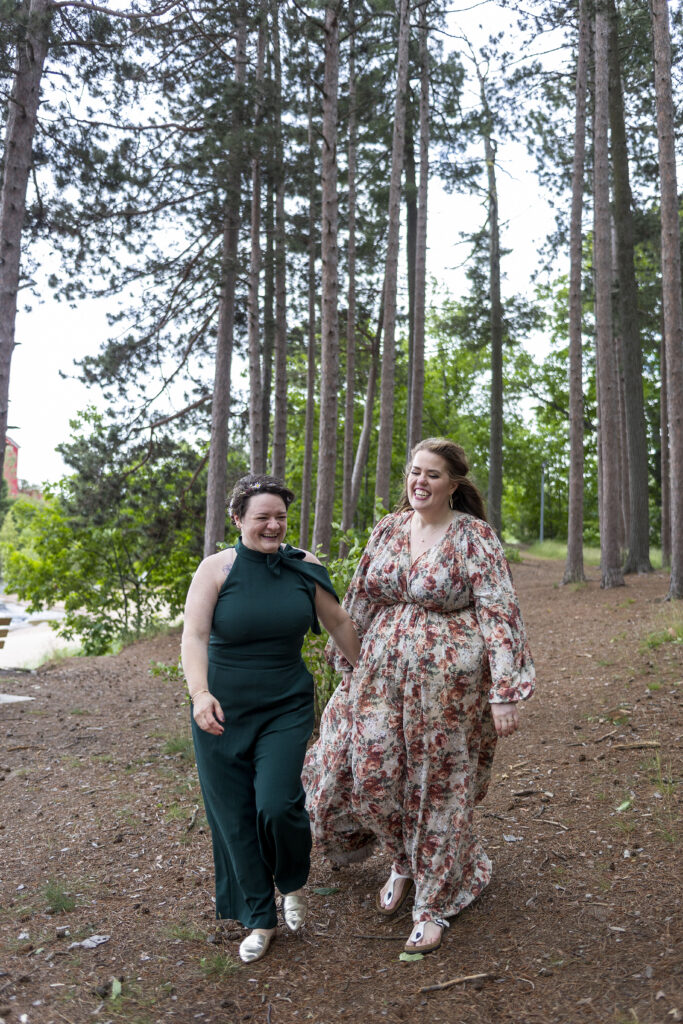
x=338 y=624
x=500 y=621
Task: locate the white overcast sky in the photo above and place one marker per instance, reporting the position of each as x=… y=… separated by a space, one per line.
x=52 y=335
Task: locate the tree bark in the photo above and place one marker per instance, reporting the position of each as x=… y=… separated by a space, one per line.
x=573 y=570
x=268 y=343
x=362 y=452
x=386 y=416
x=611 y=574
x=257 y=458
x=280 y=410
x=309 y=426
x=410 y=192
x=417 y=364
x=495 y=489
x=671 y=282
x=20 y=130
x=216 y=488
x=347 y=514
x=624 y=510
x=638 y=540
x=664 y=461
x=329 y=352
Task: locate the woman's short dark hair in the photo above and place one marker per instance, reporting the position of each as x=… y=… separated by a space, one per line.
x=256 y=483
x=466 y=498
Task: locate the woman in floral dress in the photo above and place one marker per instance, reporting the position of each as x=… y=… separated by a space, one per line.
x=407 y=740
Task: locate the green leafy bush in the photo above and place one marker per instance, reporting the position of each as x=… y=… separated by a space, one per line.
x=341 y=570
x=115 y=547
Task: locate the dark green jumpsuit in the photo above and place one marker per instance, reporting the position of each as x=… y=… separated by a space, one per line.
x=251 y=775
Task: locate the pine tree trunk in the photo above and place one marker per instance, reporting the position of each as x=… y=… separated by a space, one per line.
x=495 y=490
x=638 y=558
x=257 y=458
x=329 y=351
x=363 y=450
x=611 y=574
x=573 y=571
x=216 y=487
x=664 y=461
x=418 y=366
x=309 y=426
x=280 y=409
x=347 y=514
x=268 y=344
x=624 y=511
x=671 y=283
x=386 y=415
x=20 y=130
x=410 y=192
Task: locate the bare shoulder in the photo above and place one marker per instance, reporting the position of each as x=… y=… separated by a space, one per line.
x=310 y=557
x=217 y=566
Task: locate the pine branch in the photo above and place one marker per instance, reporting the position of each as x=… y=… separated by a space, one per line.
x=130 y=15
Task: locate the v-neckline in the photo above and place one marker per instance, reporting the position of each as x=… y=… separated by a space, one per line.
x=414 y=561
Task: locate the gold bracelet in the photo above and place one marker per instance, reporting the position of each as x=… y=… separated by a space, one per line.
x=196 y=694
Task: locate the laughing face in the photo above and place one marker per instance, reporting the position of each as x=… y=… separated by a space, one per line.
x=429 y=485
x=264 y=523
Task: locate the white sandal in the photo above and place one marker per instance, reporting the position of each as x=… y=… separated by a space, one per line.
x=384 y=902
x=418 y=933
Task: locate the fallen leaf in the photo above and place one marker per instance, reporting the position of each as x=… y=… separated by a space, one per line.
x=407 y=957
x=328 y=890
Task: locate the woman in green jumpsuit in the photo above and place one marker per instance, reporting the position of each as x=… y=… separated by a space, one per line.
x=248 y=610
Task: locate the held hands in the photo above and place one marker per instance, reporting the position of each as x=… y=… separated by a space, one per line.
x=505 y=718
x=208 y=713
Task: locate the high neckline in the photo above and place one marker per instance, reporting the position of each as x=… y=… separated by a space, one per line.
x=255 y=556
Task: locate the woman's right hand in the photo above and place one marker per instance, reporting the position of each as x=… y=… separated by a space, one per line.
x=208 y=714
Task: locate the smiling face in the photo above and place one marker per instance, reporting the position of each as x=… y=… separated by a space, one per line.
x=264 y=523
x=428 y=484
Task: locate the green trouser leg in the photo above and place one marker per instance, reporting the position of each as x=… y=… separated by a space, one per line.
x=255 y=806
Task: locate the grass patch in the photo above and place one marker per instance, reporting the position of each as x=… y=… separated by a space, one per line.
x=58 y=898
x=176 y=812
x=186 y=933
x=78 y=711
x=670 y=631
x=556 y=550
x=218 y=965
x=58 y=655
x=670 y=628
x=179 y=745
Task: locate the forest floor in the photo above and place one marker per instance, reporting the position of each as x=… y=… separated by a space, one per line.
x=102 y=833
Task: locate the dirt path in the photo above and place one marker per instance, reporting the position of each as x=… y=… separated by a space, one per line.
x=98 y=792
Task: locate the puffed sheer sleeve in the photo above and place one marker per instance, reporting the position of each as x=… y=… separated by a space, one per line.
x=498 y=614
x=357 y=602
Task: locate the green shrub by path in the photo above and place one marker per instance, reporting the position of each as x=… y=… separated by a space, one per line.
x=341 y=570
x=118 y=558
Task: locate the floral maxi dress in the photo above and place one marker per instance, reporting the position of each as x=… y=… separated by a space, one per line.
x=407 y=741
